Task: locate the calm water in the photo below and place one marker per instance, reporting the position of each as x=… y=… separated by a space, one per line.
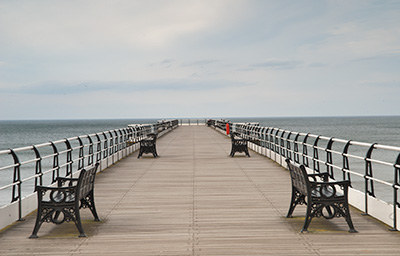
x=15 y=134
x=382 y=130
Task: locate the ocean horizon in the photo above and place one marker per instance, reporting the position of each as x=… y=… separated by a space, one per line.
x=383 y=130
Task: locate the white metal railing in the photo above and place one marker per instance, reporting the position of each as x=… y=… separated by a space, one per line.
x=374 y=169
x=22 y=169
x=192 y=121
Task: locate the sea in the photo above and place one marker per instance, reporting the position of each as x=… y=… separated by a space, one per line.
x=383 y=130
x=22 y=133
x=371 y=129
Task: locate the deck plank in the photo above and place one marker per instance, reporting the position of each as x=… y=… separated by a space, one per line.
x=196 y=200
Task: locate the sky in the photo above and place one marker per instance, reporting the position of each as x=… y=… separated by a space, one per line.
x=97 y=59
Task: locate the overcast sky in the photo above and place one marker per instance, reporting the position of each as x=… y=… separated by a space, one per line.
x=209 y=58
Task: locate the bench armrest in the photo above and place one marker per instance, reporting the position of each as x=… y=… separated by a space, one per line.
x=329 y=189
x=343 y=183
x=323 y=175
x=62 y=180
x=56 y=194
x=238 y=139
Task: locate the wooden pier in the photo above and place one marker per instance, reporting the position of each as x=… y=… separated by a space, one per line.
x=196 y=200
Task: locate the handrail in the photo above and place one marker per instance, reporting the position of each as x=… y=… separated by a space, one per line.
x=33 y=165
x=192 y=121
x=367 y=165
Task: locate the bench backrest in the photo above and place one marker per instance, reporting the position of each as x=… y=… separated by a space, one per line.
x=152 y=136
x=299 y=177
x=235 y=136
x=86 y=181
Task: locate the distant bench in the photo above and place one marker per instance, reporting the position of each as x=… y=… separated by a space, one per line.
x=326 y=199
x=148 y=145
x=62 y=203
x=238 y=145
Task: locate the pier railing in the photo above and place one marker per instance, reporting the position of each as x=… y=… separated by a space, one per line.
x=373 y=169
x=192 y=121
x=21 y=169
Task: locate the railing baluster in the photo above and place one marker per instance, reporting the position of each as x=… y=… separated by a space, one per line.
x=17 y=191
x=116 y=138
x=90 y=154
x=288 y=147
x=68 y=170
x=56 y=165
x=368 y=183
x=316 y=155
x=38 y=168
x=296 y=149
x=346 y=165
x=305 y=152
x=329 y=158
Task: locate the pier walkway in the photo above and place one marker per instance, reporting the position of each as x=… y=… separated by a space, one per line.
x=196 y=200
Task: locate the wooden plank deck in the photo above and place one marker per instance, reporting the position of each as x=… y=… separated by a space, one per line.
x=196 y=200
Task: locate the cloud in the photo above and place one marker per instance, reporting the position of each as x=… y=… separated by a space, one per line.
x=178 y=49
x=194 y=63
x=104 y=24
x=199 y=63
x=64 y=88
x=395 y=55
x=381 y=84
x=167 y=63
x=318 y=65
x=278 y=64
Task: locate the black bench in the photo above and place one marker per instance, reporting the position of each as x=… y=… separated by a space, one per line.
x=62 y=203
x=324 y=199
x=238 y=145
x=148 y=145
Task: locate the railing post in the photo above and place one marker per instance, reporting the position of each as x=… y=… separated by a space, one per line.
x=90 y=154
x=116 y=143
x=296 y=154
x=271 y=142
x=266 y=139
x=305 y=152
x=56 y=165
x=277 y=142
x=346 y=165
x=81 y=161
x=98 y=151
x=105 y=146
x=38 y=168
x=369 y=190
x=288 y=147
x=263 y=142
x=329 y=158
x=282 y=146
x=16 y=191
x=316 y=155
x=124 y=138
x=111 y=146
x=396 y=183
x=68 y=170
